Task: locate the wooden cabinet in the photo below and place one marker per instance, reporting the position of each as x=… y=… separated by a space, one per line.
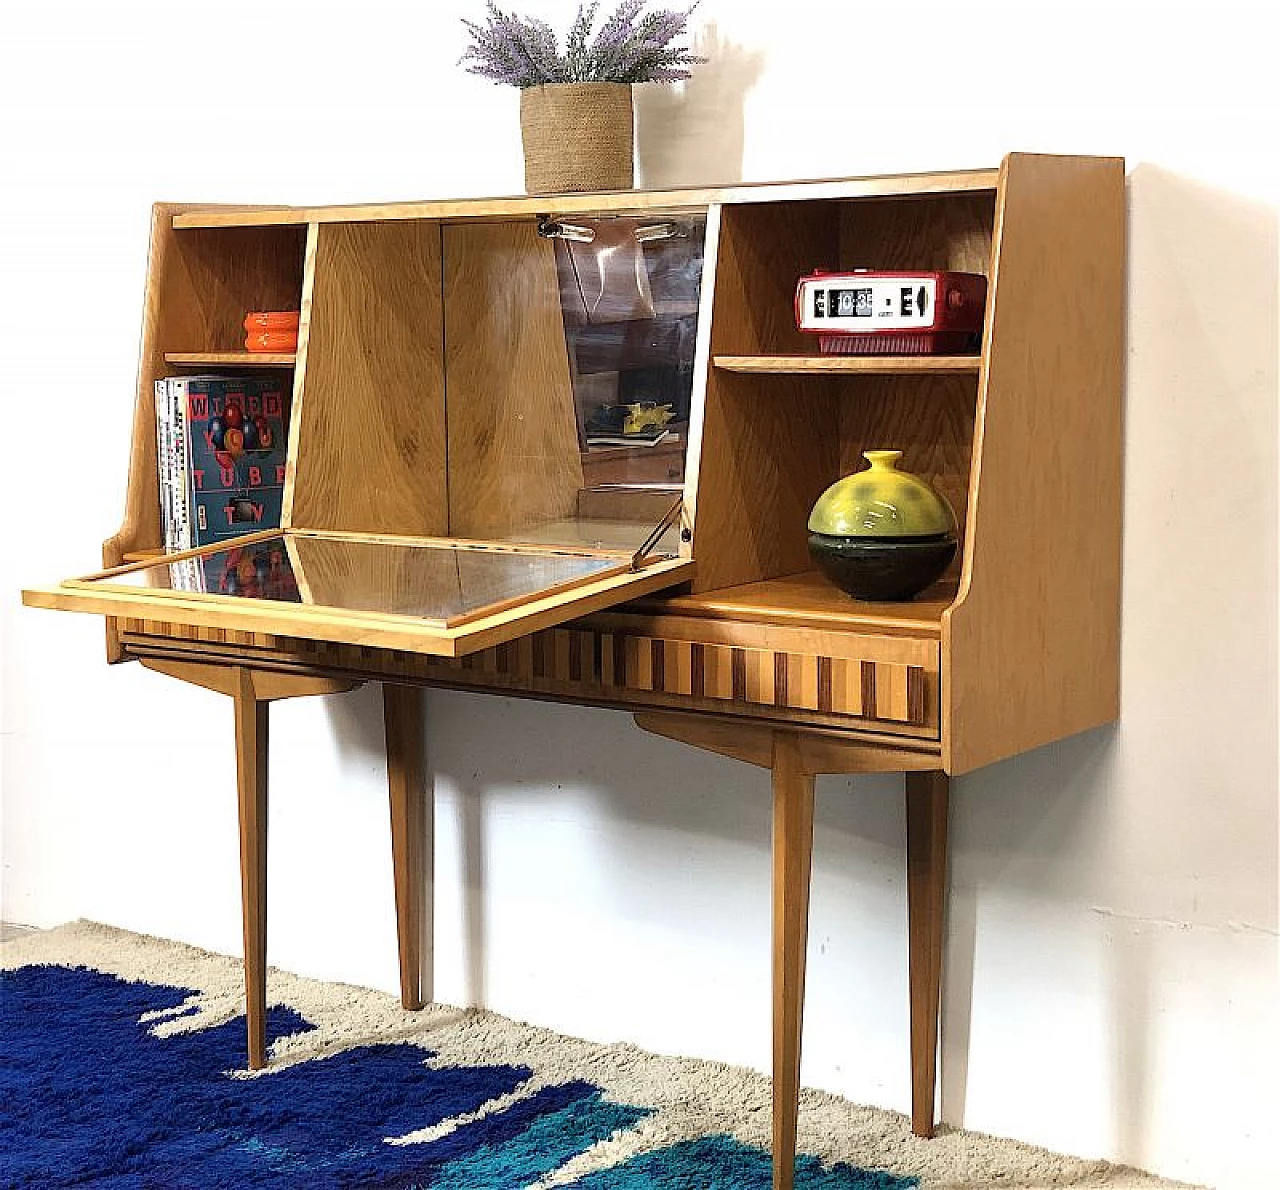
x=437 y=427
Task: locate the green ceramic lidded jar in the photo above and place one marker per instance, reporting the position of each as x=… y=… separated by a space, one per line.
x=882 y=534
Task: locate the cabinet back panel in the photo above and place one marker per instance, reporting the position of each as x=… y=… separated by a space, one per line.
x=928 y=418
x=514 y=460
x=764 y=249
x=368 y=433
x=769 y=448
x=212 y=278
x=949 y=232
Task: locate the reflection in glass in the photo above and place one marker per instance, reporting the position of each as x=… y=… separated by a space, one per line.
x=629 y=300
x=570 y=367
x=440 y=582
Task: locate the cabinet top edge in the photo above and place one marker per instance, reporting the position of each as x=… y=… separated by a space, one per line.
x=614 y=201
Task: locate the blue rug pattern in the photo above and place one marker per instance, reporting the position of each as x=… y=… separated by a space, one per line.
x=90 y=1097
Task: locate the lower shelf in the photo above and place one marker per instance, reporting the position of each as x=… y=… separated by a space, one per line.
x=808 y=600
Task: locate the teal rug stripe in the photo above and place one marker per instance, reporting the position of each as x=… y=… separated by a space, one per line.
x=545 y=1145
x=722 y=1163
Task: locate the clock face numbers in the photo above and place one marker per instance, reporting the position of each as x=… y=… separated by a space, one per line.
x=890 y=303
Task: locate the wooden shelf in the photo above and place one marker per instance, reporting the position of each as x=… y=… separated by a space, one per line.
x=518 y=206
x=875 y=365
x=809 y=601
x=237 y=359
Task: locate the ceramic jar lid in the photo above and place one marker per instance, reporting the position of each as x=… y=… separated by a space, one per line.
x=881 y=502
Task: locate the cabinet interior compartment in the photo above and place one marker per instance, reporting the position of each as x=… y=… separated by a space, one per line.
x=201 y=283
x=773 y=443
x=209 y=278
x=451 y=371
x=765 y=248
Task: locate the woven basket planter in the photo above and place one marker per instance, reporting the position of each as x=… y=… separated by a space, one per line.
x=577 y=136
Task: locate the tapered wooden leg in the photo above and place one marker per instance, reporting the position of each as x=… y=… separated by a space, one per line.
x=251 y=784
x=792 y=862
x=926 y=905
x=411 y=849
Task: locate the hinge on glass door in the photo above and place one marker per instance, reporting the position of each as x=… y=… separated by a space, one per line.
x=557 y=229
x=668 y=519
x=554 y=229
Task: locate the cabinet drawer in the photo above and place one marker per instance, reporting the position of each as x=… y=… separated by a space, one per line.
x=882 y=679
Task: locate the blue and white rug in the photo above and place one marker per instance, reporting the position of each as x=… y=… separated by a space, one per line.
x=122 y=1067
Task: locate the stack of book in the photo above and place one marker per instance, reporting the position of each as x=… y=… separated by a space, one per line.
x=220 y=444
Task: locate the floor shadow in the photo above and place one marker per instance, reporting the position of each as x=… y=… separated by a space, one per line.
x=692 y=133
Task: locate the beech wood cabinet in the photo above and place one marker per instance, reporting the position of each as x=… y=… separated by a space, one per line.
x=447 y=522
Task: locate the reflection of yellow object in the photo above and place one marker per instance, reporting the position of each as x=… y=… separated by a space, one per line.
x=644 y=414
x=881 y=502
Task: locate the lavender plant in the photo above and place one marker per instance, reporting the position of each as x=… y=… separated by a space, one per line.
x=631 y=46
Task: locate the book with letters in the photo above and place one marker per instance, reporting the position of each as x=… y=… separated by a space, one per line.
x=222 y=456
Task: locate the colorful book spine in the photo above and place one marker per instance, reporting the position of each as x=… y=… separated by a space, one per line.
x=181 y=462
x=163 y=461
x=234 y=437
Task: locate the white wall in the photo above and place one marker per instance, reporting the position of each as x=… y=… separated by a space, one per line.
x=1112 y=981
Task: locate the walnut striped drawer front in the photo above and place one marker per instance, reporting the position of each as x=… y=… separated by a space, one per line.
x=874 y=680
x=566 y=657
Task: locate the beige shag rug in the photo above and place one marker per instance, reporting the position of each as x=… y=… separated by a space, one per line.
x=689 y=1098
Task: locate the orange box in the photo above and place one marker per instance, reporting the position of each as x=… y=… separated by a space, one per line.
x=272 y=320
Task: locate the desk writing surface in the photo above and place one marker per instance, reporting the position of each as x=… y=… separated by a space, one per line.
x=442 y=583
x=436 y=596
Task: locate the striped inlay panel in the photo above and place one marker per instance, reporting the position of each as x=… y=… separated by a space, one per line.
x=567 y=657
x=574 y=661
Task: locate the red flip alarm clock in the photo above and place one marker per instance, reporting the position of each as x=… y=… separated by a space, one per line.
x=871 y=312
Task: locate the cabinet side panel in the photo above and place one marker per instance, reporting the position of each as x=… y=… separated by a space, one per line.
x=369 y=448
x=514 y=459
x=140 y=528
x=769 y=443
x=200 y=285
x=1031 y=646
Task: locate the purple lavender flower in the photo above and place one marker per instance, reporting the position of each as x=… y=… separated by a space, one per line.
x=632 y=46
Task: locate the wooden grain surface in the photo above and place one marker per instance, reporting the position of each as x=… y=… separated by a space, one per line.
x=1031 y=648
x=200 y=285
x=769 y=442
x=804 y=365
x=221 y=613
x=231 y=359
x=411 y=801
x=928 y=418
x=793 y=790
x=367 y=449
x=514 y=459
x=251 y=736
x=926 y=802
x=951 y=181
x=821 y=751
x=942 y=232
x=157 y=638
x=808 y=600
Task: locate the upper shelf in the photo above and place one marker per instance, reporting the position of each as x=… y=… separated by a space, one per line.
x=614 y=201
x=236 y=359
x=868 y=364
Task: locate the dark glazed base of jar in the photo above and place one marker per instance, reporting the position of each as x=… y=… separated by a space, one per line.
x=882 y=569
